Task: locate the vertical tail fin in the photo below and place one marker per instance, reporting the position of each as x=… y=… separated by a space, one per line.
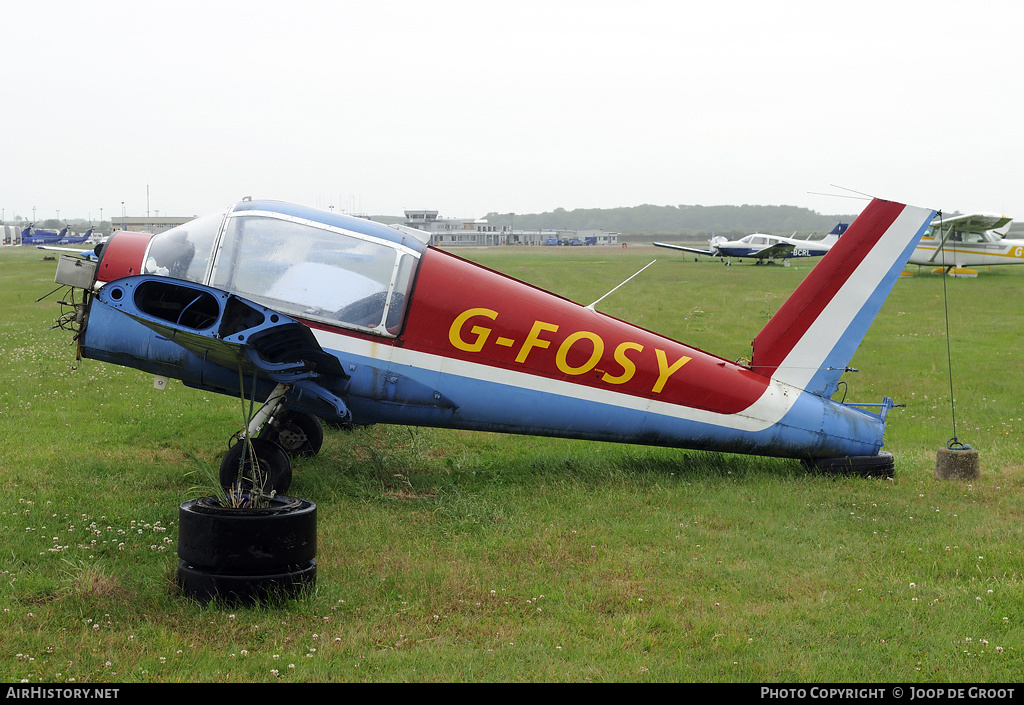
x=811 y=339
x=835 y=233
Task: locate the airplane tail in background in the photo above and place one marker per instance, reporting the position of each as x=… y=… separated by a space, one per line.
x=1002 y=231
x=812 y=338
x=833 y=235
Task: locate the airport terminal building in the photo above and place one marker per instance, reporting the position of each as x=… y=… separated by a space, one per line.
x=148 y=224
x=468 y=232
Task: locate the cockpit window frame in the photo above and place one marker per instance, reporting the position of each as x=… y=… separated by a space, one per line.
x=399 y=250
x=205 y=276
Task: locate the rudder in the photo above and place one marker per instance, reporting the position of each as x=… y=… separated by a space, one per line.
x=810 y=341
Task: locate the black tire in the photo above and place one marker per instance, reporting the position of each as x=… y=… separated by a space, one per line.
x=275 y=468
x=881 y=465
x=247 y=540
x=203 y=585
x=298 y=433
x=246 y=555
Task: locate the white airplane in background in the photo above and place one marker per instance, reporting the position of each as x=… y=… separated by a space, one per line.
x=762 y=247
x=952 y=245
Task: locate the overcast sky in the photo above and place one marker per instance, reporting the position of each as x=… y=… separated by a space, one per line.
x=471 y=107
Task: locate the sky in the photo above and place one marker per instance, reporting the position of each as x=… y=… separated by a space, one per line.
x=470 y=107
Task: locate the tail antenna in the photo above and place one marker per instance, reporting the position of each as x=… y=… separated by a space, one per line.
x=591 y=306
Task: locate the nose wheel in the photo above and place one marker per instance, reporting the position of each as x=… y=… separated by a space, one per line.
x=261 y=457
x=256 y=463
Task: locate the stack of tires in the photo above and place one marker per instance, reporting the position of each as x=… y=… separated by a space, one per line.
x=246 y=555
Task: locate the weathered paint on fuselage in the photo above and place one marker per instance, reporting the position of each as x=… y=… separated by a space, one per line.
x=518 y=359
x=480 y=350
x=521 y=401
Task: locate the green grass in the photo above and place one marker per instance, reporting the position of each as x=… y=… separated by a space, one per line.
x=452 y=556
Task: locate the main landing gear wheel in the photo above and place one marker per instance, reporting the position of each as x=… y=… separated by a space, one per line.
x=298 y=433
x=268 y=465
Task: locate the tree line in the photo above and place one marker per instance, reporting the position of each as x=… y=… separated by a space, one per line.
x=677 y=220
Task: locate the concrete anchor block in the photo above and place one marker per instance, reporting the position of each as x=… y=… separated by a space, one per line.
x=957 y=464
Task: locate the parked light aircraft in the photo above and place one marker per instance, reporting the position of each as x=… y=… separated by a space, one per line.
x=952 y=245
x=35 y=236
x=764 y=248
x=326 y=316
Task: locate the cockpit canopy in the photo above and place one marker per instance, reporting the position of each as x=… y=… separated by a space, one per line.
x=958 y=235
x=311 y=264
x=758 y=239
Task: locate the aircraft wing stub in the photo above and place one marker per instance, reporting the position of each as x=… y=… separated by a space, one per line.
x=222 y=328
x=684 y=248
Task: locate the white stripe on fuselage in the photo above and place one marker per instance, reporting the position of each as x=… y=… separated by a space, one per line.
x=774 y=403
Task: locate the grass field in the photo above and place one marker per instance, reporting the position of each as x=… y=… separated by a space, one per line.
x=451 y=556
